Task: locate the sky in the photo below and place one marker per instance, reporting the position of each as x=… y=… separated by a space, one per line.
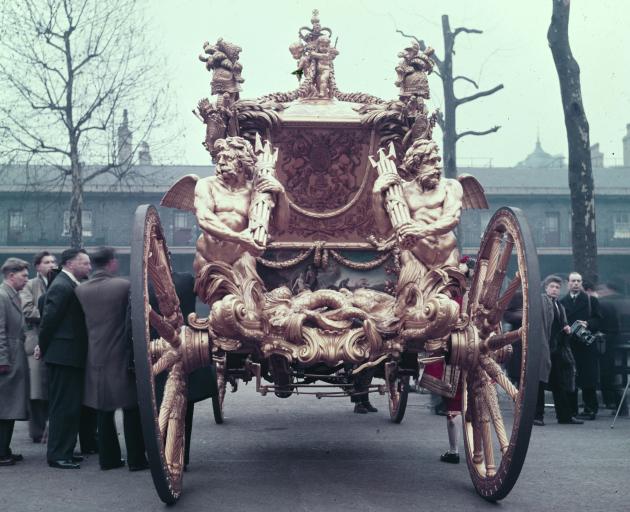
x=512 y=50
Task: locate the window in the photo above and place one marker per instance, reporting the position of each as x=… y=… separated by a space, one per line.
x=182 y=232
x=484 y=218
x=551 y=229
x=16 y=222
x=86 y=219
x=621 y=225
x=181 y=220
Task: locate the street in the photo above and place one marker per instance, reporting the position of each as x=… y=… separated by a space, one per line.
x=304 y=454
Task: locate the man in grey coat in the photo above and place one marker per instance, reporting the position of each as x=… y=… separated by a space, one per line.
x=109 y=383
x=44 y=262
x=13 y=363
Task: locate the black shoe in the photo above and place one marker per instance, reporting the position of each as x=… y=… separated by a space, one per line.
x=143 y=466
x=116 y=465
x=7 y=461
x=360 y=409
x=450 y=457
x=37 y=440
x=440 y=411
x=539 y=422
x=63 y=464
x=590 y=416
x=17 y=457
x=370 y=407
x=571 y=421
x=89 y=452
x=77 y=458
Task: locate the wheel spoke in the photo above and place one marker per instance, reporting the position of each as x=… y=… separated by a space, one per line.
x=166 y=362
x=496 y=373
x=492 y=403
x=497 y=342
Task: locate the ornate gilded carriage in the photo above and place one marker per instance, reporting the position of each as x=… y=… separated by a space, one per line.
x=327 y=297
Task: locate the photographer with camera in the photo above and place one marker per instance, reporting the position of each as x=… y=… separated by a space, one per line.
x=559 y=364
x=584 y=315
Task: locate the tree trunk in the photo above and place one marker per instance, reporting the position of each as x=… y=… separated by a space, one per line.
x=583 y=234
x=449 y=128
x=76 y=203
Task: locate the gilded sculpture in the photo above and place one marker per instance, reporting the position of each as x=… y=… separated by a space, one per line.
x=308 y=200
x=234 y=206
x=412 y=71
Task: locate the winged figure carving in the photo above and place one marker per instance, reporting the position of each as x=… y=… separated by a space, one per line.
x=182 y=194
x=474 y=195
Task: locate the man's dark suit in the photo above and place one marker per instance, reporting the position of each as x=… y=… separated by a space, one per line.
x=63 y=344
x=586 y=357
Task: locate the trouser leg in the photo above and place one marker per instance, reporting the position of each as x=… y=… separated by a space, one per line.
x=6 y=433
x=65 y=394
x=88 y=437
x=37 y=421
x=540 y=402
x=572 y=397
x=108 y=445
x=134 y=441
x=190 y=410
x=589 y=395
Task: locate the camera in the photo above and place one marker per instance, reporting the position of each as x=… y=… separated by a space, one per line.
x=582 y=333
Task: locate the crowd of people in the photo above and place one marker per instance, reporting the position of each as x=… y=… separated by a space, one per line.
x=66 y=359
x=581 y=330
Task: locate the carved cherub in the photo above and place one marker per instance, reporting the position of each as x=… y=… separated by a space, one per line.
x=324 y=54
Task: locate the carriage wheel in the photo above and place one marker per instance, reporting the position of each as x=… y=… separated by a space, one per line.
x=163 y=426
x=219 y=369
x=497 y=426
x=397 y=392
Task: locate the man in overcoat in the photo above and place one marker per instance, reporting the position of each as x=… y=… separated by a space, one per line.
x=561 y=372
x=585 y=308
x=43 y=262
x=13 y=365
x=109 y=382
x=63 y=345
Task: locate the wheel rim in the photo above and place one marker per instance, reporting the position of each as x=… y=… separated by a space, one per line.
x=217 y=401
x=397 y=391
x=496 y=449
x=163 y=429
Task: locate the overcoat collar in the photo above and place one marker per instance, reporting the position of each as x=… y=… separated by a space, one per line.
x=15 y=298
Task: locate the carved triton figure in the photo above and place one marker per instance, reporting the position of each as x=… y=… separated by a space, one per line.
x=223 y=205
x=434 y=204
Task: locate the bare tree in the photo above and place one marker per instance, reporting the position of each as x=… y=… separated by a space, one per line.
x=583 y=234
x=67 y=67
x=447 y=120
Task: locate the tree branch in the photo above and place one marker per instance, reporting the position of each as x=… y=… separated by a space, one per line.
x=466 y=79
x=477 y=95
x=473 y=132
x=459 y=30
x=422 y=46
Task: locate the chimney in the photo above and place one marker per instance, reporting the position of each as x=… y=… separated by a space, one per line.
x=144 y=154
x=597 y=157
x=124 y=141
x=626 y=147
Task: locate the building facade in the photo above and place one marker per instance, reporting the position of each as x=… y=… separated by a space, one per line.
x=35 y=217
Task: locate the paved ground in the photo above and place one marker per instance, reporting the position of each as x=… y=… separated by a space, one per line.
x=304 y=454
